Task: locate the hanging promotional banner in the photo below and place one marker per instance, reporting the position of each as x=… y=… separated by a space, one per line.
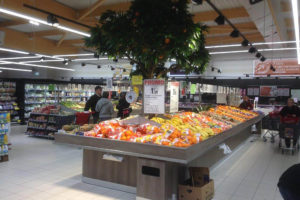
x=268 y=91
x=137 y=80
x=174 y=97
x=109 y=84
x=154 y=96
x=285 y=67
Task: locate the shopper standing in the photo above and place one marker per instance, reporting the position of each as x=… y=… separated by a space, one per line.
x=105 y=108
x=246 y=104
x=92 y=102
x=290 y=116
x=123 y=106
x=289 y=183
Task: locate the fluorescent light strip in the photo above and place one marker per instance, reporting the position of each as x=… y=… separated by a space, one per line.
x=74 y=55
x=86 y=59
x=296 y=26
x=34 y=23
x=16 y=69
x=39 y=61
x=246 y=51
x=16 y=14
x=227 y=52
x=33 y=65
x=18 y=58
x=257 y=44
x=13 y=51
x=46 y=56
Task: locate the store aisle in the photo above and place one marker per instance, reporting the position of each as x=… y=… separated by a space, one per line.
x=39 y=169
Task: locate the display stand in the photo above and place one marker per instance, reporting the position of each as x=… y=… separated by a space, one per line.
x=45 y=125
x=150 y=171
x=4 y=134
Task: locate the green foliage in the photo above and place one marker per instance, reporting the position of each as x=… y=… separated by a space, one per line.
x=150 y=33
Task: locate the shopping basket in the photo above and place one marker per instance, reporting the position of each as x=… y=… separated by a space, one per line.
x=82 y=118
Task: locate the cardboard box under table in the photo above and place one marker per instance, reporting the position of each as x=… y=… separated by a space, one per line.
x=151 y=171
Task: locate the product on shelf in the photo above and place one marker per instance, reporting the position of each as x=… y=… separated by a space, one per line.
x=180 y=130
x=77 y=106
x=8 y=100
x=4 y=132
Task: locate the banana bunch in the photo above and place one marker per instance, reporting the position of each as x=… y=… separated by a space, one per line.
x=158 y=120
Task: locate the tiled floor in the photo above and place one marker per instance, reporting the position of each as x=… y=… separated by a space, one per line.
x=39 y=169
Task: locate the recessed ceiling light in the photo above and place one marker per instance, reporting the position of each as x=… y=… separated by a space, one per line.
x=33 y=65
x=74 y=55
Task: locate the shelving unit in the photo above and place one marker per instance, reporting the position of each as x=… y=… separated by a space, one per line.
x=4 y=134
x=45 y=125
x=37 y=95
x=8 y=100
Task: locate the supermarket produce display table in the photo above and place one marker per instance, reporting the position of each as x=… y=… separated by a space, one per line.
x=151 y=171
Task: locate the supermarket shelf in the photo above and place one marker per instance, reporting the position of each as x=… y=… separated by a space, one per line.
x=50 y=129
x=40 y=136
x=36 y=128
x=28 y=103
x=38 y=121
x=51 y=122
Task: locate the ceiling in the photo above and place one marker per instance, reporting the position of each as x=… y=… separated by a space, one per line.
x=276 y=18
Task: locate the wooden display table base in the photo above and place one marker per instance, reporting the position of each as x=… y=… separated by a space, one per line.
x=4 y=158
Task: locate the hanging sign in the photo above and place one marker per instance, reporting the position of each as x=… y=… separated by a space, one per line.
x=284 y=67
x=154 y=96
x=109 y=84
x=137 y=80
x=174 y=96
x=193 y=89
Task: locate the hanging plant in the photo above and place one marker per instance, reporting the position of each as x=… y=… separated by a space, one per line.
x=151 y=33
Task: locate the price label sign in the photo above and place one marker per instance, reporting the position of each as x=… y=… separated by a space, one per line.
x=137 y=80
x=174 y=96
x=154 y=96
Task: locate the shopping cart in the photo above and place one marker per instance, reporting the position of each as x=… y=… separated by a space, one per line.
x=271 y=124
x=82 y=118
x=287 y=132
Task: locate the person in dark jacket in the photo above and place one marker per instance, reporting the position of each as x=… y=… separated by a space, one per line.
x=105 y=108
x=246 y=104
x=92 y=102
x=290 y=119
x=289 y=183
x=122 y=105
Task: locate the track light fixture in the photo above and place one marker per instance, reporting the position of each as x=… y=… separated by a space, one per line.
x=262 y=59
x=215 y=78
x=219 y=71
x=198 y=2
x=115 y=59
x=96 y=55
x=220 y=20
x=245 y=43
x=235 y=33
x=82 y=64
x=212 y=69
x=51 y=19
x=252 y=49
x=258 y=55
x=66 y=62
x=42 y=59
x=99 y=66
x=272 y=68
x=112 y=68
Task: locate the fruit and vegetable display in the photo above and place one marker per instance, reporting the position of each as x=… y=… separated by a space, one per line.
x=180 y=130
x=77 y=106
